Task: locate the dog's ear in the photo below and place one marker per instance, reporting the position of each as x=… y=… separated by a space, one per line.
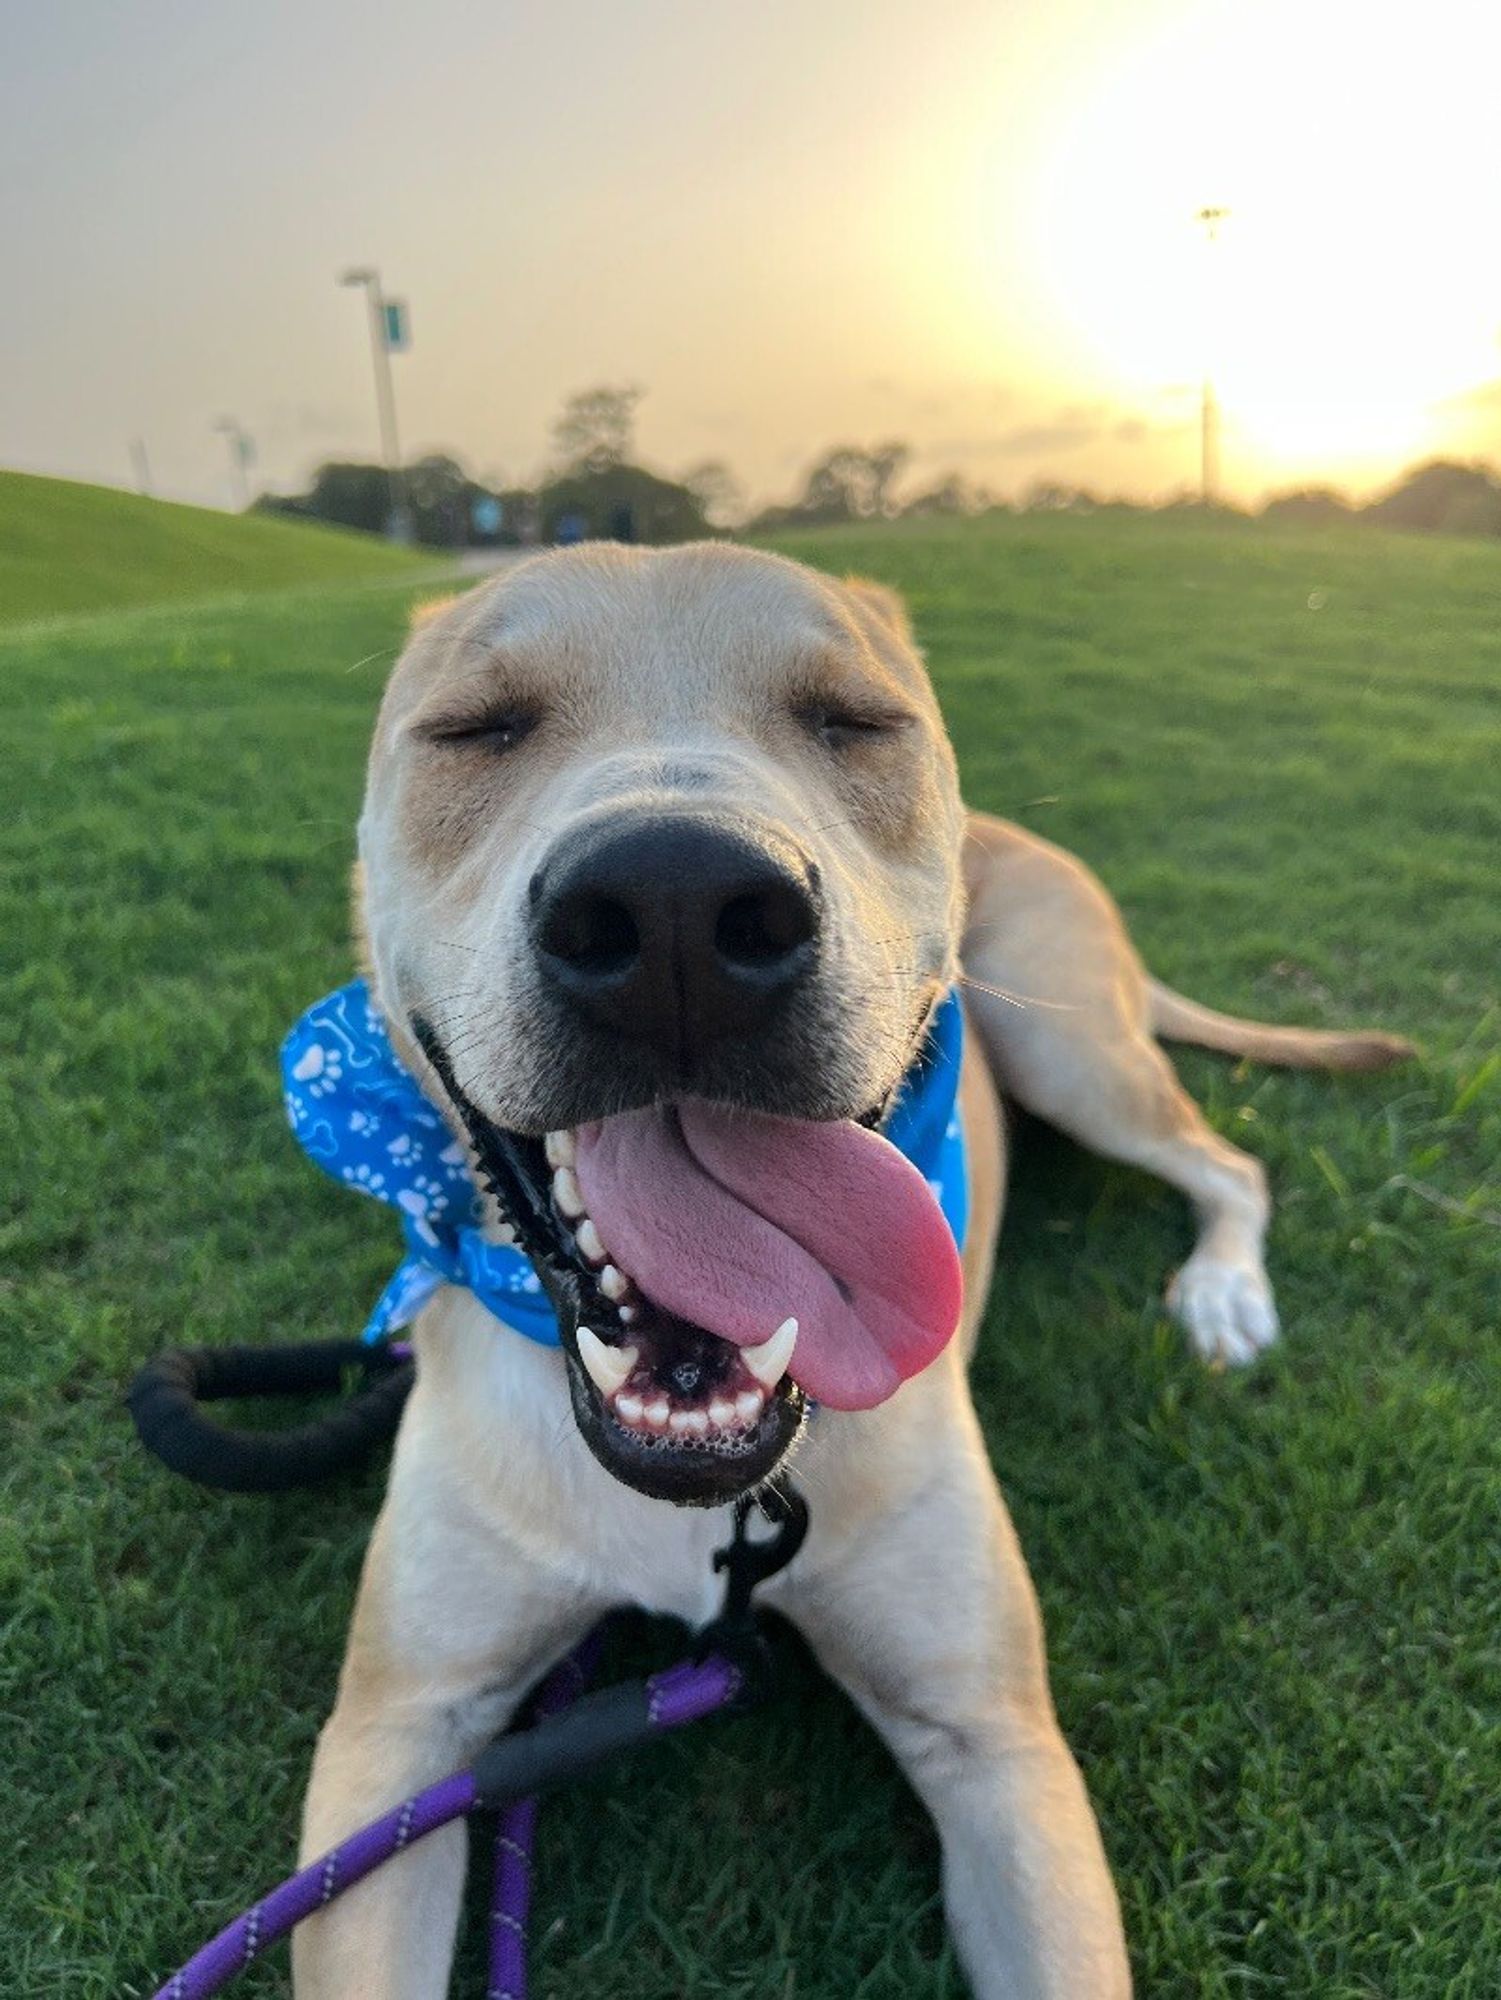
x=881 y=603
x=429 y=608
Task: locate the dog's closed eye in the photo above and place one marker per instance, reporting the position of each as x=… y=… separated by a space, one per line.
x=843 y=725
x=494 y=729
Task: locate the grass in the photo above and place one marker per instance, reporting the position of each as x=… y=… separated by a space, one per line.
x=1273 y=1599
x=66 y=547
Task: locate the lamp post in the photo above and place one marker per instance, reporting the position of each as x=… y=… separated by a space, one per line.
x=399 y=515
x=241 y=457
x=1209 y=220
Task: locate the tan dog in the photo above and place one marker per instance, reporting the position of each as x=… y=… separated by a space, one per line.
x=664 y=857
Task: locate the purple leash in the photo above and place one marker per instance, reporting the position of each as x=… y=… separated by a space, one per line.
x=670 y=1700
x=570 y=1732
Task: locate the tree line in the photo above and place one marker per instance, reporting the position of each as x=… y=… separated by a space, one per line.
x=597 y=489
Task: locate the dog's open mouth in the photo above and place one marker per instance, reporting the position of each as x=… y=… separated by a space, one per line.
x=712 y=1269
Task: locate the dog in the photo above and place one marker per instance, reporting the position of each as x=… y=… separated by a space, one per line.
x=663 y=872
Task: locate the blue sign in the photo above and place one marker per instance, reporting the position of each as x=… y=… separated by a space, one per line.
x=398 y=326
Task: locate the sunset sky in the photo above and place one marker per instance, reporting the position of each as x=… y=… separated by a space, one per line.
x=965 y=223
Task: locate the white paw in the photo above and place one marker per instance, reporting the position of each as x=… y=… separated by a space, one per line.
x=1227 y=1309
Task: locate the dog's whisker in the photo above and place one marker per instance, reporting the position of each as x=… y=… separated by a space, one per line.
x=1017 y=999
x=385 y=653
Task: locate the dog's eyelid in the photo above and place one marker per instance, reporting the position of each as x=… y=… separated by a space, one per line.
x=850 y=717
x=502 y=723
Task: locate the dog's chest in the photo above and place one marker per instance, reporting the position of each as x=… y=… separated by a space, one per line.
x=507 y=1400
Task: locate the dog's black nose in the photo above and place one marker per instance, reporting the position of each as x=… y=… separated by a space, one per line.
x=675 y=931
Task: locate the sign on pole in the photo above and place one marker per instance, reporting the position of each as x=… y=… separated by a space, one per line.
x=398 y=326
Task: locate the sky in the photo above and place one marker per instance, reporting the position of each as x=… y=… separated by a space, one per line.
x=968 y=224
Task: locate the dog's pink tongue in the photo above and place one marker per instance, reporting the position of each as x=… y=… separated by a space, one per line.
x=735 y=1222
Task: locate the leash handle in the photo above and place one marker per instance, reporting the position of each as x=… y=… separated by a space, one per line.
x=166 y=1396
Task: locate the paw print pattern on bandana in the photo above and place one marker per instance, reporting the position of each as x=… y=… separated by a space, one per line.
x=364 y=1120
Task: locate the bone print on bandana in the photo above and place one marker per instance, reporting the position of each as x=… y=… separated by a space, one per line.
x=362 y=1117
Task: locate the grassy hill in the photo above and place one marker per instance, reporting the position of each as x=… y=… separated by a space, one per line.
x=67 y=547
x=1272 y=1597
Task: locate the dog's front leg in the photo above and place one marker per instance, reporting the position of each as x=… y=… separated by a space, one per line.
x=928 y=1619
x=450 y=1630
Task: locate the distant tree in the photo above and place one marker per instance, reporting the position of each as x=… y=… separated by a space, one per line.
x=1442 y=498
x=849 y=483
x=1188 y=501
x=621 y=503
x=718 y=492
x=1048 y=496
x=596 y=428
x=440 y=493
x=1307 y=506
x=351 y=495
x=852 y=484
x=950 y=494
x=520 y=517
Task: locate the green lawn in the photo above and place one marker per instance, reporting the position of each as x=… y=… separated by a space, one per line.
x=66 y=547
x=1273 y=1599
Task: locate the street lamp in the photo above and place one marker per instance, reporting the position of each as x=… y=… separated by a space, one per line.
x=241 y=457
x=1209 y=220
x=386 y=330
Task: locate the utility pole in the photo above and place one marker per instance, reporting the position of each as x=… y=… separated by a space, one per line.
x=241 y=457
x=1209 y=220
x=387 y=330
x=140 y=465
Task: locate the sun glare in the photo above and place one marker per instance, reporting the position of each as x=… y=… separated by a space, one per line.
x=1355 y=286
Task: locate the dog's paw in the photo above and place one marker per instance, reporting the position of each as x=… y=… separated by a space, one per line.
x=1227 y=1309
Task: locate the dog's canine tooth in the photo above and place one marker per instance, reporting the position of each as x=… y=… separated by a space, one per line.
x=567 y=1193
x=768 y=1362
x=560 y=1149
x=590 y=1241
x=609 y=1367
x=612 y=1282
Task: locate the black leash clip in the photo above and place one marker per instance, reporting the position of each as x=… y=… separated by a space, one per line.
x=737 y=1632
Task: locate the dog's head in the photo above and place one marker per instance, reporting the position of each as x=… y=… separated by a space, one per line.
x=660 y=854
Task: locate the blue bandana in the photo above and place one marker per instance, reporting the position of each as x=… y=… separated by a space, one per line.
x=361 y=1116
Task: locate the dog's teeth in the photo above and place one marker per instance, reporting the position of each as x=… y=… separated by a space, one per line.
x=590 y=1242
x=749 y=1405
x=567 y=1193
x=721 y=1413
x=696 y=1421
x=658 y=1412
x=560 y=1149
x=614 y=1284
x=609 y=1367
x=681 y=1421
x=630 y=1314
x=629 y=1409
x=768 y=1362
